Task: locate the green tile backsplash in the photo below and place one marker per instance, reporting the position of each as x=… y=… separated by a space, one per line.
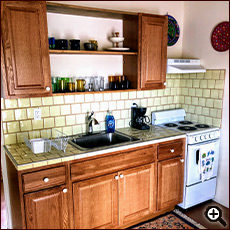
x=199 y=94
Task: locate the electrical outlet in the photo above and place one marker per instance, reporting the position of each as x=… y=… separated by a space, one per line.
x=37 y=114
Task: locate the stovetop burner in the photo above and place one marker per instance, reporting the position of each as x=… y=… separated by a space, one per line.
x=170 y=125
x=202 y=126
x=187 y=128
x=185 y=122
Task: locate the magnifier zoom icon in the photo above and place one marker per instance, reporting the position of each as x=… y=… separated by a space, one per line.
x=214 y=214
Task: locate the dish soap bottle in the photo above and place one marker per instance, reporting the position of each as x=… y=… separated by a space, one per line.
x=110 y=123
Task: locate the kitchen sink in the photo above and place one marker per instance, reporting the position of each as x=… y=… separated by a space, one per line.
x=101 y=139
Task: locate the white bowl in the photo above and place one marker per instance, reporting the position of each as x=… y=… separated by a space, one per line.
x=117 y=39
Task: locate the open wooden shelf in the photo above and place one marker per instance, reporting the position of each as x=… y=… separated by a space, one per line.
x=99 y=52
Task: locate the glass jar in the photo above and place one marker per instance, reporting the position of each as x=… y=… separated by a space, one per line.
x=54 y=84
x=62 y=85
x=71 y=85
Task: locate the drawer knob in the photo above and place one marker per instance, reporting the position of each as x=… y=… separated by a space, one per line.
x=165 y=83
x=46 y=179
x=47 y=88
x=116 y=177
x=64 y=190
x=182 y=160
x=121 y=176
x=172 y=150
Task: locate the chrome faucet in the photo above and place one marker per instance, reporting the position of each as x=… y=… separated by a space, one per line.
x=90 y=121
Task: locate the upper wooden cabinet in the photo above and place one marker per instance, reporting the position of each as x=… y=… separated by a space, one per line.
x=24 y=49
x=153 y=38
x=25 y=62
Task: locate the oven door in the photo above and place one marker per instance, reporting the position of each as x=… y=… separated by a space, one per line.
x=193 y=154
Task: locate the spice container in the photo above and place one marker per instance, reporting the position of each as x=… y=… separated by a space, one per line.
x=51 y=43
x=61 y=44
x=94 y=42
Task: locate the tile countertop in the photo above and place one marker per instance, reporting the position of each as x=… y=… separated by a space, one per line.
x=23 y=158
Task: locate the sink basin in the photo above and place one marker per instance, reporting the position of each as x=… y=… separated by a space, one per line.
x=100 y=140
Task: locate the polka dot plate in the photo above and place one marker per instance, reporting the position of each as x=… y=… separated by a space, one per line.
x=220 y=37
x=173 y=31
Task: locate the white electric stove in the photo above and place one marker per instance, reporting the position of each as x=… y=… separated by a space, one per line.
x=201 y=155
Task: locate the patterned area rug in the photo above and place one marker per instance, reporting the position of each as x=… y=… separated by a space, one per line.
x=170 y=220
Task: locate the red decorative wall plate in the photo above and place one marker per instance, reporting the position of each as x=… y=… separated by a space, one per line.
x=220 y=37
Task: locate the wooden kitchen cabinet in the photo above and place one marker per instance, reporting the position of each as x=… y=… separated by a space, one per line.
x=170 y=173
x=137 y=196
x=47 y=209
x=25 y=60
x=153 y=38
x=170 y=182
x=128 y=194
x=96 y=203
x=113 y=190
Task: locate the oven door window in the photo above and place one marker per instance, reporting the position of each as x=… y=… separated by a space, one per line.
x=193 y=173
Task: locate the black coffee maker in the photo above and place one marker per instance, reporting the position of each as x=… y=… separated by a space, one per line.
x=138 y=118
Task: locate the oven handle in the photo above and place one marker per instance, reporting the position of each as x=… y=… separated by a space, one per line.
x=197 y=156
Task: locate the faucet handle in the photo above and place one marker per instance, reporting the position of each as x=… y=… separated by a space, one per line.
x=91 y=114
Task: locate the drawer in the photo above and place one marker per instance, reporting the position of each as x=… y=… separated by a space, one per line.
x=44 y=179
x=109 y=164
x=170 y=150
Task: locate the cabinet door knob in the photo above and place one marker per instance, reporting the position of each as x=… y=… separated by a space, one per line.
x=64 y=190
x=46 y=179
x=47 y=88
x=181 y=160
x=172 y=150
x=121 y=175
x=165 y=83
x=116 y=177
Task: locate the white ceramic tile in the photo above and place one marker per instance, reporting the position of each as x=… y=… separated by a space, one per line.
x=89 y=97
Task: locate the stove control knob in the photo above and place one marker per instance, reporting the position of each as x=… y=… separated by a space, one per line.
x=206 y=136
x=217 y=134
x=211 y=135
x=201 y=137
x=197 y=138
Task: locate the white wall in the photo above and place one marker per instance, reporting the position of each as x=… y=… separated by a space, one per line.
x=200 y=18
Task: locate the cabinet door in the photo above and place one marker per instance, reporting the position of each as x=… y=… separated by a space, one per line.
x=170 y=182
x=95 y=203
x=47 y=209
x=25 y=50
x=137 y=193
x=154 y=38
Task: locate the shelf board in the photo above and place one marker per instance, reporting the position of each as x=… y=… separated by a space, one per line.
x=88 y=11
x=93 y=92
x=98 y=52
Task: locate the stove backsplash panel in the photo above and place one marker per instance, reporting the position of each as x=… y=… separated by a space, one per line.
x=199 y=94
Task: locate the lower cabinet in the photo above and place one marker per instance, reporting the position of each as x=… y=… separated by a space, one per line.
x=47 y=209
x=137 y=193
x=95 y=203
x=127 y=194
x=112 y=191
x=170 y=182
